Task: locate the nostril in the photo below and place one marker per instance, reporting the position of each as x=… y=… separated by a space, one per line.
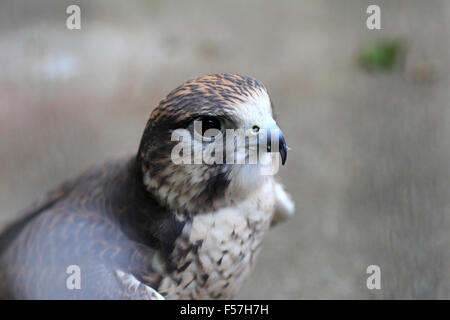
x=255 y=129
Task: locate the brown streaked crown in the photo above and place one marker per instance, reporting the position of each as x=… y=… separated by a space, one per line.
x=212 y=94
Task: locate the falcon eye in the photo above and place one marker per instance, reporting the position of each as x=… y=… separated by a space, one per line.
x=210 y=123
x=202 y=124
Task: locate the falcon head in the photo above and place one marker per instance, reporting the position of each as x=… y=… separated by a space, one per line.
x=188 y=157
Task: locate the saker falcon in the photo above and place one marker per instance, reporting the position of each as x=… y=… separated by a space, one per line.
x=145 y=227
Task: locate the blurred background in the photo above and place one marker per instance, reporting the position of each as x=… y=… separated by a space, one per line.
x=365 y=112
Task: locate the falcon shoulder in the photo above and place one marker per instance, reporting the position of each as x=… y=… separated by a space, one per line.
x=91 y=223
x=284 y=206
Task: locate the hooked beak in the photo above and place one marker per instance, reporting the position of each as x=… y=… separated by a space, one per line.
x=281 y=145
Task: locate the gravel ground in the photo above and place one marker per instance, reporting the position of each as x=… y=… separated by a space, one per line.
x=369 y=165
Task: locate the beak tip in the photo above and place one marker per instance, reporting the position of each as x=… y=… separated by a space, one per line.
x=283 y=155
x=282 y=147
x=283 y=150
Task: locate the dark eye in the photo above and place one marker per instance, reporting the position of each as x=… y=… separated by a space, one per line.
x=210 y=123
